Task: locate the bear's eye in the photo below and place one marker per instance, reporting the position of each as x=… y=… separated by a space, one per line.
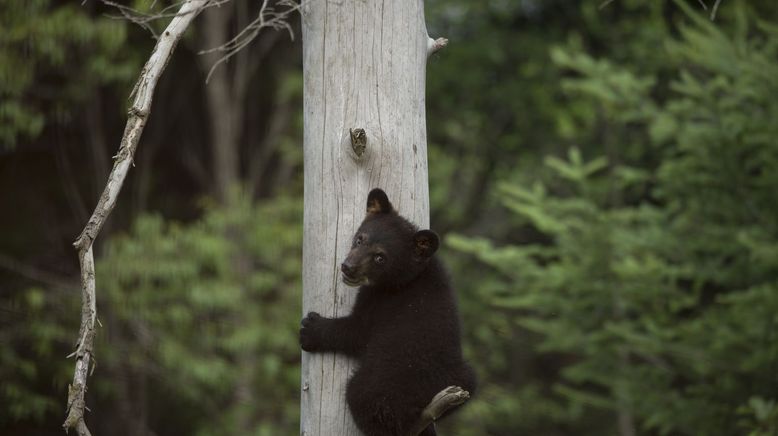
x=379 y=258
x=358 y=240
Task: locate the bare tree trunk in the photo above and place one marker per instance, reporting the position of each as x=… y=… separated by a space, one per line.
x=364 y=67
x=225 y=113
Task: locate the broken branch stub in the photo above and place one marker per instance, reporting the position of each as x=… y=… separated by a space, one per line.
x=358 y=140
x=445 y=400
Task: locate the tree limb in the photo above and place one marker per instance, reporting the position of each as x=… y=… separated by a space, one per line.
x=145 y=19
x=433 y=45
x=440 y=404
x=268 y=17
x=714 y=10
x=137 y=115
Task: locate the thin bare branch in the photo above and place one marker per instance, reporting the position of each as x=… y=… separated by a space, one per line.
x=605 y=3
x=144 y=19
x=702 y=3
x=268 y=17
x=138 y=113
x=714 y=10
x=271 y=15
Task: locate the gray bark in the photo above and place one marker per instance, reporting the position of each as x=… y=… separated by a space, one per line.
x=364 y=67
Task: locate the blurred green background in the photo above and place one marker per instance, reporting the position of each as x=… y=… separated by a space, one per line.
x=604 y=175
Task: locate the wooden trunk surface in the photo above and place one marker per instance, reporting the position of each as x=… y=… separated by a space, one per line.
x=364 y=67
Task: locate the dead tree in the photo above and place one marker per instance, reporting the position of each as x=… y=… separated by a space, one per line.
x=365 y=127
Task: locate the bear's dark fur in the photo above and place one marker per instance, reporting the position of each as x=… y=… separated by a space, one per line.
x=403 y=329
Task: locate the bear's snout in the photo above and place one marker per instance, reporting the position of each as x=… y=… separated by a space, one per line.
x=348 y=269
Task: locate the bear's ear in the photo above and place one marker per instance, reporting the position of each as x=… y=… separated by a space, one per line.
x=378 y=202
x=426 y=243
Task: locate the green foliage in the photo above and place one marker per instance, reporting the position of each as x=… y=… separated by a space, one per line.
x=51 y=58
x=214 y=306
x=29 y=353
x=652 y=281
x=200 y=320
x=495 y=101
x=624 y=157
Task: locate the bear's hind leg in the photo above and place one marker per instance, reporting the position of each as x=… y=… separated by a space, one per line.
x=378 y=412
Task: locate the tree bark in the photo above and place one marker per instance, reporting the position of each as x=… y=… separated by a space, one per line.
x=364 y=67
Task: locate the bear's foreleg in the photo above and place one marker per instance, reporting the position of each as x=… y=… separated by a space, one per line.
x=344 y=335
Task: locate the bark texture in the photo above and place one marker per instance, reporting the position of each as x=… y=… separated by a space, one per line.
x=364 y=67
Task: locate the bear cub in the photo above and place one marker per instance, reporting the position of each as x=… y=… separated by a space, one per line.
x=403 y=329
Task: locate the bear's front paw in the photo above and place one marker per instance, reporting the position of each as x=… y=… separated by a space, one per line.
x=310 y=337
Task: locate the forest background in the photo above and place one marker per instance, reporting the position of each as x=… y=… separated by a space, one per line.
x=604 y=176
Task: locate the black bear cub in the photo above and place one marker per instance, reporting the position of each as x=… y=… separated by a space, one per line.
x=403 y=329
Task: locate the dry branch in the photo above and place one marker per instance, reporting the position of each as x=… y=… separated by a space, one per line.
x=137 y=115
x=144 y=19
x=446 y=399
x=268 y=17
x=433 y=45
x=714 y=10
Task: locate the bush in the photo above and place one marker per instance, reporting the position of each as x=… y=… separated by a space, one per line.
x=650 y=289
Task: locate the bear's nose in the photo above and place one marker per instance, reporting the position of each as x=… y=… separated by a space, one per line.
x=347 y=268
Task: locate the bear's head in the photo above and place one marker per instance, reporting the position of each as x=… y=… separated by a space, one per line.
x=387 y=251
